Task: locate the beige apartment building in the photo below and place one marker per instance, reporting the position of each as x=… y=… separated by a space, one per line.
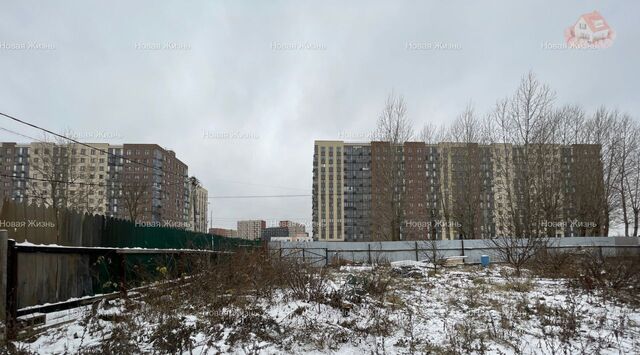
x=251 y=229
x=144 y=183
x=198 y=208
x=51 y=165
x=328 y=199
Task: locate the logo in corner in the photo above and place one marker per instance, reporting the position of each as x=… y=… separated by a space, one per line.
x=590 y=31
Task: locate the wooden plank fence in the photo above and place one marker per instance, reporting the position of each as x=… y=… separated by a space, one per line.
x=56 y=277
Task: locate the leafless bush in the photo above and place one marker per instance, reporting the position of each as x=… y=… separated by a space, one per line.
x=517 y=252
x=433 y=254
x=590 y=270
x=306 y=282
x=173 y=336
x=613 y=276
x=556 y=263
x=337 y=261
x=121 y=339
x=466 y=338
x=11 y=349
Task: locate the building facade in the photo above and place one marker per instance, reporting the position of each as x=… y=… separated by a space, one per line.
x=327 y=197
x=52 y=165
x=198 y=208
x=14 y=169
x=286 y=231
x=155 y=187
x=357 y=191
x=251 y=229
x=417 y=191
x=140 y=182
x=223 y=232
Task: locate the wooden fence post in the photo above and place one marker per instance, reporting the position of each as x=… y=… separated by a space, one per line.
x=326 y=256
x=123 y=274
x=179 y=264
x=3 y=275
x=12 y=291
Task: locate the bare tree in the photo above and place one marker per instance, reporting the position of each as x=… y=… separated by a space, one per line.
x=394 y=129
x=133 y=197
x=194 y=184
x=527 y=190
x=632 y=184
x=433 y=254
x=601 y=129
x=63 y=179
x=433 y=134
x=627 y=139
x=394 y=126
x=628 y=142
x=66 y=176
x=468 y=187
x=571 y=124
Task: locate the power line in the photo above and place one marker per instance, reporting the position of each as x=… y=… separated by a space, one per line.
x=38 y=170
x=259 y=196
x=20 y=134
x=66 y=182
x=119 y=183
x=120 y=156
x=86 y=145
x=264 y=185
x=261 y=217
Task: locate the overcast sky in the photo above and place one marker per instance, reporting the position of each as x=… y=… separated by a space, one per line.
x=240 y=90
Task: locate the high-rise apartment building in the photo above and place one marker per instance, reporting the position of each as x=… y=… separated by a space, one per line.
x=357 y=191
x=41 y=170
x=140 y=182
x=251 y=229
x=328 y=198
x=419 y=191
x=198 y=208
x=162 y=181
x=14 y=169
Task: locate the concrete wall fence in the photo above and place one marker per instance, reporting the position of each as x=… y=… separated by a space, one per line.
x=417 y=250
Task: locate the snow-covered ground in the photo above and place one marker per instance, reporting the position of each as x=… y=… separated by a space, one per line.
x=398 y=309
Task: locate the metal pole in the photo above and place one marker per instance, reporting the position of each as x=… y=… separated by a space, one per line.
x=416 y=245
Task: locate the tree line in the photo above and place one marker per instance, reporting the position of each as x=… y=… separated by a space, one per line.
x=530 y=134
